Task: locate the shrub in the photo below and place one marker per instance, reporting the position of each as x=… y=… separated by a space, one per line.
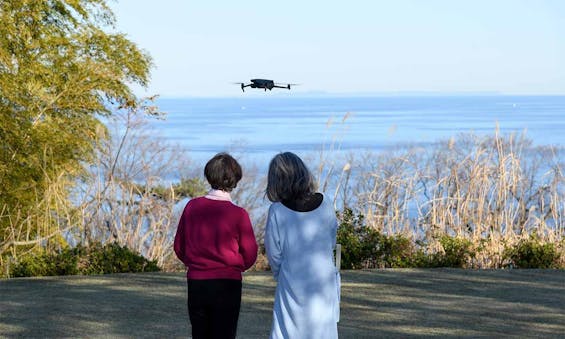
x=365 y=247
x=395 y=251
x=457 y=253
x=37 y=264
x=113 y=258
x=64 y=263
x=532 y=253
x=95 y=259
x=357 y=241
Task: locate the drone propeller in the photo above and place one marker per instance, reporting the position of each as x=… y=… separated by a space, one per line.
x=241 y=84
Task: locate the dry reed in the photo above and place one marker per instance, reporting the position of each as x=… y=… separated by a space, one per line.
x=492 y=190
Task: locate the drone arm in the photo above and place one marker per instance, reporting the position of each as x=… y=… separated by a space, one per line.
x=286 y=86
x=243 y=86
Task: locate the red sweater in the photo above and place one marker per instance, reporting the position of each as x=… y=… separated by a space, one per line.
x=215 y=240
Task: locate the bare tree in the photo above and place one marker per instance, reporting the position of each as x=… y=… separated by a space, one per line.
x=129 y=195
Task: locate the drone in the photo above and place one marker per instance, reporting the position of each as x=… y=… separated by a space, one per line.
x=264 y=83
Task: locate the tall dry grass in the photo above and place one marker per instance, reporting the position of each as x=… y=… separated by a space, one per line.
x=491 y=190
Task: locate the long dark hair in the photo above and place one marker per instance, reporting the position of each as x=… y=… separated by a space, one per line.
x=288 y=178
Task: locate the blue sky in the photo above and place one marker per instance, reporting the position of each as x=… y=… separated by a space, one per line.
x=356 y=46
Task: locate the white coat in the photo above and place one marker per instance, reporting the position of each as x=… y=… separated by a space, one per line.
x=300 y=248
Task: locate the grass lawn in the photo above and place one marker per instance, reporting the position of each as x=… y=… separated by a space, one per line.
x=377 y=303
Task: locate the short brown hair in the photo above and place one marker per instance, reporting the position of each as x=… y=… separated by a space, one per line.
x=223 y=172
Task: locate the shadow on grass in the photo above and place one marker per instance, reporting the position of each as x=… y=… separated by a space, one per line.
x=453 y=303
x=122 y=305
x=379 y=303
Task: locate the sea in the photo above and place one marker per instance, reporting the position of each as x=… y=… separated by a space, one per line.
x=260 y=127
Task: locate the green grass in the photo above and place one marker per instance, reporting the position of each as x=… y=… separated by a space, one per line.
x=377 y=303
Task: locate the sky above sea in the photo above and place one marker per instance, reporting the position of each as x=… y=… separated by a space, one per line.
x=200 y=48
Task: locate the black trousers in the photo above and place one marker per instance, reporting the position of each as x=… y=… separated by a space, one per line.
x=213 y=307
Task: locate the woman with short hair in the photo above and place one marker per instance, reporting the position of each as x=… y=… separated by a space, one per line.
x=300 y=238
x=215 y=241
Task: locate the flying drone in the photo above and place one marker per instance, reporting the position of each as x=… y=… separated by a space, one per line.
x=264 y=83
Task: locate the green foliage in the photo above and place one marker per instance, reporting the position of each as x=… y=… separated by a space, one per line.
x=96 y=259
x=355 y=240
x=59 y=70
x=532 y=253
x=191 y=187
x=396 y=251
x=33 y=265
x=113 y=258
x=456 y=253
x=365 y=247
x=187 y=187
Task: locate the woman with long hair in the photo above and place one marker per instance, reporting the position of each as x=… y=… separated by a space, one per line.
x=300 y=238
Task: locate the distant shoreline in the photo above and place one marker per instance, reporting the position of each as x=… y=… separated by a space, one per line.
x=303 y=95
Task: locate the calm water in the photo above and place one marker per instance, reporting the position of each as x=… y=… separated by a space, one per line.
x=265 y=126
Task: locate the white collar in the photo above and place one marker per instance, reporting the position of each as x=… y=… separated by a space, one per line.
x=218 y=195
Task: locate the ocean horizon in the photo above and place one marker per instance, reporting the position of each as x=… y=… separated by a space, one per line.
x=260 y=127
